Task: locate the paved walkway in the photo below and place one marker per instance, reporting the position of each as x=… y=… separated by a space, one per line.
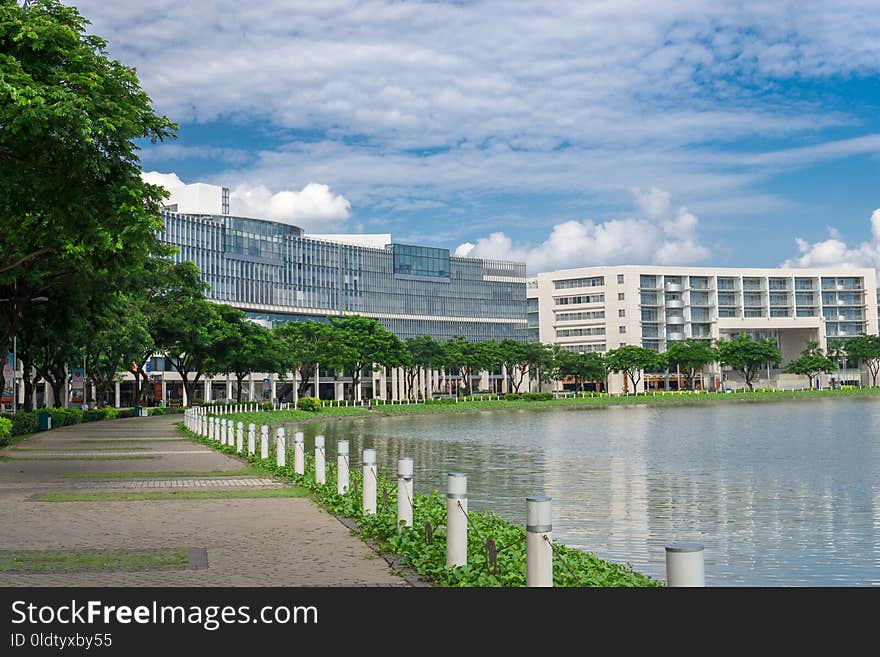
x=249 y=542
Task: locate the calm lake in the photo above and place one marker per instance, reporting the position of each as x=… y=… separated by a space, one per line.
x=779 y=493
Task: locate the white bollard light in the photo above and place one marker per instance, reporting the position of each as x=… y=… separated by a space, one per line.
x=280 y=448
x=456 y=519
x=299 y=453
x=539 y=534
x=685 y=565
x=404 y=492
x=369 y=482
x=320 y=464
x=230 y=428
x=252 y=438
x=264 y=442
x=239 y=437
x=342 y=467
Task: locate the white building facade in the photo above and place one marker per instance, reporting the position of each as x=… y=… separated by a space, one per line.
x=596 y=309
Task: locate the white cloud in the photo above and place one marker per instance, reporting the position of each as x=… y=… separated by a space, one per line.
x=834 y=252
x=169 y=181
x=663 y=235
x=312 y=208
x=442 y=101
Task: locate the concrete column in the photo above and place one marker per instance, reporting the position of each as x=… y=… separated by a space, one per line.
x=401 y=382
x=273 y=382
x=164 y=390
x=295 y=379
x=436 y=381
x=185 y=398
x=484 y=380
x=422 y=382
x=504 y=381
x=394 y=394
x=116 y=395
x=207 y=389
x=338 y=390
x=317 y=383
x=251 y=387
x=383 y=384
x=358 y=391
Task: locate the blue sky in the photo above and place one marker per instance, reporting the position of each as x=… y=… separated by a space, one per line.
x=571 y=134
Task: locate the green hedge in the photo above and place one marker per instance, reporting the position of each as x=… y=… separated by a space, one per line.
x=23 y=422
x=441 y=400
x=309 y=404
x=5 y=431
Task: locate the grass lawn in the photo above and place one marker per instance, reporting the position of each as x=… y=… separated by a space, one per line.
x=61 y=560
x=162 y=474
x=293 y=491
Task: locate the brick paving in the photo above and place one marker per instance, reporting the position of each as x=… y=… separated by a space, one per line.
x=249 y=542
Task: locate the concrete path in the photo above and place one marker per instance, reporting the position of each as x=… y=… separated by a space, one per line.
x=249 y=542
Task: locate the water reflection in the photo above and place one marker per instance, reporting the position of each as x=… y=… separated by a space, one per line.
x=781 y=493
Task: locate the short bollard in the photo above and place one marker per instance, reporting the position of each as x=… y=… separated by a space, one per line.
x=404 y=492
x=299 y=453
x=230 y=433
x=239 y=437
x=252 y=438
x=222 y=432
x=369 y=482
x=539 y=537
x=456 y=519
x=264 y=442
x=280 y=448
x=685 y=565
x=211 y=428
x=342 y=467
x=320 y=461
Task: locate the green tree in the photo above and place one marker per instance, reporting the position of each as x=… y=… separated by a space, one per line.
x=864 y=349
x=243 y=346
x=811 y=362
x=525 y=360
x=747 y=355
x=690 y=356
x=357 y=343
x=303 y=346
x=469 y=357
x=71 y=197
x=421 y=352
x=631 y=361
x=584 y=367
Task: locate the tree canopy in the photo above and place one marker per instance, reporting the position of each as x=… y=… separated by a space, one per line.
x=747 y=355
x=631 y=361
x=811 y=362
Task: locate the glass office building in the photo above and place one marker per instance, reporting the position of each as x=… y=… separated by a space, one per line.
x=276 y=273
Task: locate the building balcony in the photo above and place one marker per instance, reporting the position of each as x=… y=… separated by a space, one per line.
x=672 y=287
x=675 y=303
x=675 y=319
x=675 y=336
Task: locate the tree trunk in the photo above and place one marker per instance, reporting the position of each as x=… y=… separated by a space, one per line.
x=239 y=381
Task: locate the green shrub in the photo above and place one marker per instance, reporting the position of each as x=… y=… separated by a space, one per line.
x=5 y=431
x=62 y=417
x=267 y=406
x=441 y=400
x=537 y=396
x=309 y=404
x=125 y=412
x=156 y=411
x=23 y=422
x=513 y=396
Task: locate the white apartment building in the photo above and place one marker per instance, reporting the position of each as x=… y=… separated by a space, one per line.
x=602 y=308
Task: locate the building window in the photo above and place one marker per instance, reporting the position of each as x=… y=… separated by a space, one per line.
x=622 y=329
x=620 y=279
x=621 y=312
x=620 y=296
x=595 y=281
